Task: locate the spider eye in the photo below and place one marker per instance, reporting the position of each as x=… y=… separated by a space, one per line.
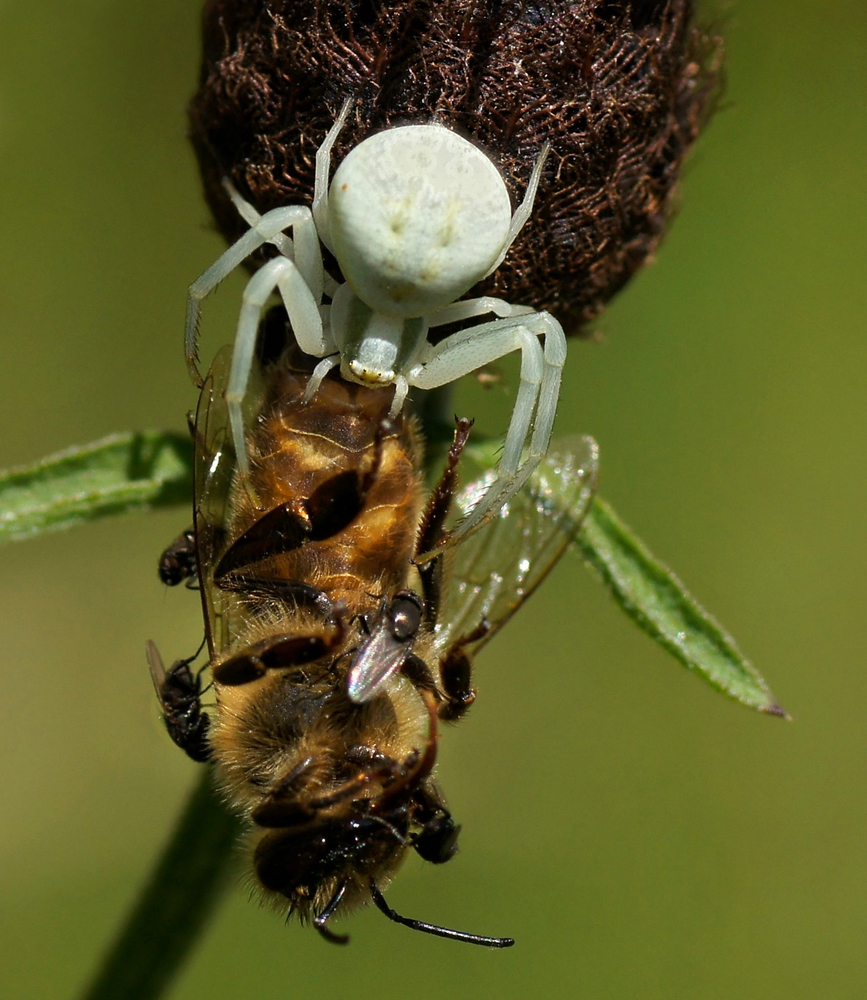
x=417 y=215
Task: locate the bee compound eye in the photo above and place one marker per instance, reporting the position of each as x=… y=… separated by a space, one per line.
x=405 y=614
x=438 y=841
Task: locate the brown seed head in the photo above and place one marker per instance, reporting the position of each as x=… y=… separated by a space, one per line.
x=620 y=88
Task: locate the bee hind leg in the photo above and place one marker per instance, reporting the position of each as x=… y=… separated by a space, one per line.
x=432 y=528
x=280 y=652
x=456 y=674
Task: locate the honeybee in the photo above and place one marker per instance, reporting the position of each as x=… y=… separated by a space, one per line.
x=335 y=649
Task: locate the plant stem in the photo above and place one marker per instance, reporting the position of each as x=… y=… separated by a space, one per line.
x=184 y=889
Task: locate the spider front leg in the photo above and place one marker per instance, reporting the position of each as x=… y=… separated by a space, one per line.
x=302 y=307
x=283 y=243
x=307 y=255
x=536 y=403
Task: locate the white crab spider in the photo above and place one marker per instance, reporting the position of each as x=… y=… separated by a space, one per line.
x=415 y=216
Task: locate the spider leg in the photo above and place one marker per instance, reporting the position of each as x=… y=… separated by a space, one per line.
x=469 y=349
x=318 y=374
x=249 y=214
x=401 y=388
x=522 y=212
x=309 y=261
x=463 y=309
x=283 y=243
x=303 y=310
x=511 y=478
x=323 y=169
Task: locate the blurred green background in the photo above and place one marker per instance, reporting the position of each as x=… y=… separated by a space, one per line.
x=639 y=835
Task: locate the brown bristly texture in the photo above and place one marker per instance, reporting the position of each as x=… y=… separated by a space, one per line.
x=620 y=88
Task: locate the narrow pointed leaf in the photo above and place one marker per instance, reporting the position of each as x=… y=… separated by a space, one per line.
x=659 y=603
x=121 y=473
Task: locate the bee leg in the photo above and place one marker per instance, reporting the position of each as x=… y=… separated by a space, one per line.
x=286 y=805
x=419 y=673
x=179 y=691
x=446 y=932
x=302 y=595
x=431 y=531
x=456 y=672
x=363 y=755
x=389 y=770
x=320 y=921
x=278 y=653
x=283 y=806
x=178 y=562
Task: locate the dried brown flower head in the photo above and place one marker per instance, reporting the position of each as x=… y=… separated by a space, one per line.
x=620 y=89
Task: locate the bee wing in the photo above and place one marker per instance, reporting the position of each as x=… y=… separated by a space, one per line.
x=489 y=575
x=212 y=481
x=379 y=658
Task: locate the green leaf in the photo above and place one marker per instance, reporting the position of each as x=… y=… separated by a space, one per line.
x=121 y=473
x=659 y=603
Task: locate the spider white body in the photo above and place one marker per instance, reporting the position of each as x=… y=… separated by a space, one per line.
x=415 y=216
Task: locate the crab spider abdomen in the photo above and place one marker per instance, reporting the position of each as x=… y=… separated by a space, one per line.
x=417 y=215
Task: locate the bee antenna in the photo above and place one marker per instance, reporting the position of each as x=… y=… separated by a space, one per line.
x=320 y=921
x=446 y=932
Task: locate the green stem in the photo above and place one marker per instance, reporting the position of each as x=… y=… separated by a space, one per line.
x=184 y=889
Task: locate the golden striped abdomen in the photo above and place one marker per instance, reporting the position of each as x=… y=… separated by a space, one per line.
x=297 y=449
